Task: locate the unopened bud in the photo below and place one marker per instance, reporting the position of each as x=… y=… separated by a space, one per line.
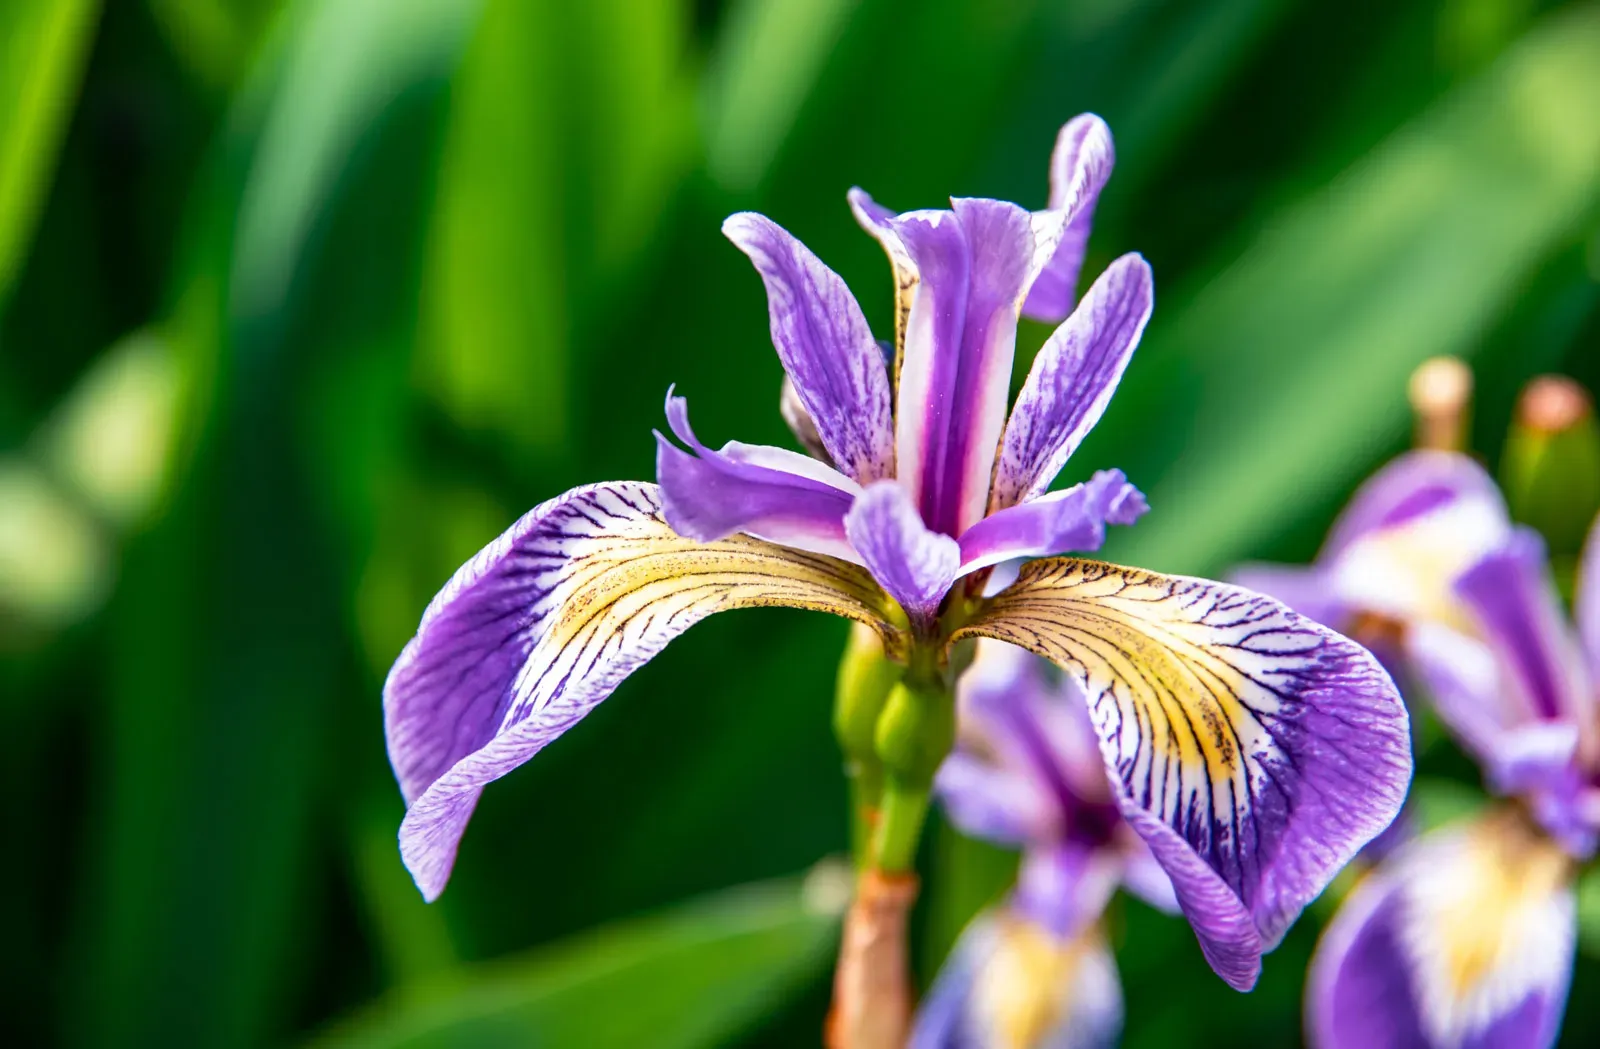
x=1440 y=392
x=915 y=732
x=1551 y=467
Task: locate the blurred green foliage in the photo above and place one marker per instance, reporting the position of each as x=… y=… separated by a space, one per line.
x=301 y=302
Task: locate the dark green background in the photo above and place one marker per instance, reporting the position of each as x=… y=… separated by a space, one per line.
x=396 y=270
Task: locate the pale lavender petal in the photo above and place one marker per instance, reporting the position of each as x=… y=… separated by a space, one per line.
x=1024 y=723
x=1415 y=484
x=1064 y=887
x=1003 y=806
x=913 y=564
x=826 y=348
x=1462 y=939
x=1515 y=601
x=1253 y=749
x=545 y=622
x=1009 y=983
x=1308 y=589
x=1073 y=520
x=1462 y=680
x=766 y=492
x=1073 y=378
x=1145 y=878
x=1080 y=165
x=1586 y=599
x=962 y=274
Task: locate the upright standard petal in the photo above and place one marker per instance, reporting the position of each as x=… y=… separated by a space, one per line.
x=545 y=622
x=1253 y=749
x=1072 y=381
x=1011 y=985
x=1080 y=165
x=826 y=348
x=915 y=565
x=1069 y=521
x=771 y=493
x=1462 y=939
x=962 y=275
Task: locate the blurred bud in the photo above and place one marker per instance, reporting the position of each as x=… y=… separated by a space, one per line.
x=805 y=431
x=1440 y=392
x=862 y=688
x=1551 y=467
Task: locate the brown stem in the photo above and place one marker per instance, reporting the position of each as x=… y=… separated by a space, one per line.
x=871 y=988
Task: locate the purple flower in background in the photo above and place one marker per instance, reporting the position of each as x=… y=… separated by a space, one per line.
x=1027 y=772
x=1391 y=556
x=1253 y=750
x=1465 y=936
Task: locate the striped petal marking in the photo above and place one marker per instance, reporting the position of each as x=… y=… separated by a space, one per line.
x=539 y=627
x=1253 y=749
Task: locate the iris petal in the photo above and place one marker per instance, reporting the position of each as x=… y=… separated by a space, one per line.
x=1462 y=938
x=545 y=622
x=1073 y=378
x=826 y=347
x=1080 y=165
x=1254 y=750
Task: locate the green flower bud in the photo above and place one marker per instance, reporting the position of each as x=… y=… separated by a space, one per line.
x=862 y=688
x=916 y=731
x=1550 y=470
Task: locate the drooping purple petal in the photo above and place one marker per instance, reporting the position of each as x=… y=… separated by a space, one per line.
x=545 y=622
x=771 y=493
x=1542 y=667
x=1253 y=749
x=962 y=274
x=1072 y=520
x=1462 y=939
x=1079 y=167
x=1462 y=680
x=1024 y=736
x=826 y=348
x=1003 y=806
x=913 y=564
x=1009 y=983
x=1063 y=887
x=1073 y=378
x=1586 y=599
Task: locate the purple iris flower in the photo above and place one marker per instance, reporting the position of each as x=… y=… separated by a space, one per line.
x=1391 y=556
x=1035 y=971
x=1465 y=936
x=1253 y=749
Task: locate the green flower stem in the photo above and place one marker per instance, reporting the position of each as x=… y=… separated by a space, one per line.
x=865 y=679
x=914 y=734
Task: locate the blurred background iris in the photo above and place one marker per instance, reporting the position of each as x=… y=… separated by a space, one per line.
x=302 y=302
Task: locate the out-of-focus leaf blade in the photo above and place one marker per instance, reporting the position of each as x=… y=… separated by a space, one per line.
x=348 y=61
x=764 y=65
x=689 y=977
x=1281 y=378
x=43 y=44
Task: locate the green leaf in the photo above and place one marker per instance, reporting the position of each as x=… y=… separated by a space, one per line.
x=1279 y=377
x=43 y=44
x=692 y=976
x=765 y=63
